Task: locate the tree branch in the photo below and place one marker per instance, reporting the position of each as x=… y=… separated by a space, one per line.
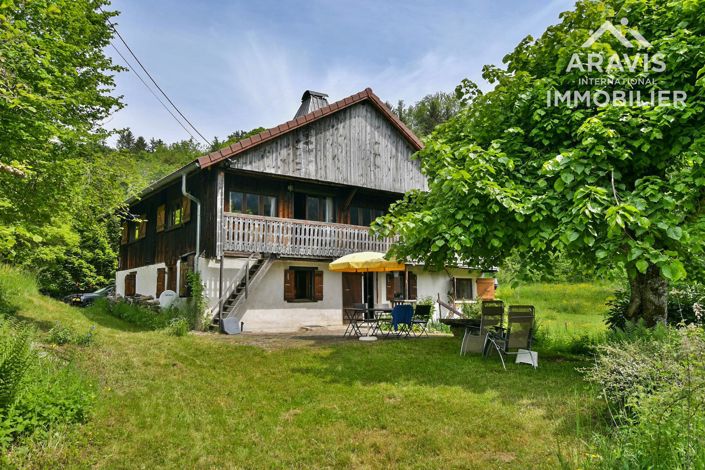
x=12 y=170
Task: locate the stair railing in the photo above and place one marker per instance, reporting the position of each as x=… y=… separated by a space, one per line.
x=242 y=272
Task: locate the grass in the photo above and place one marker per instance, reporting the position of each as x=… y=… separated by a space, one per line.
x=208 y=401
x=564 y=310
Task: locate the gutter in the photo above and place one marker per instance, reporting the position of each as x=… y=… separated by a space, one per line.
x=198 y=216
x=170 y=178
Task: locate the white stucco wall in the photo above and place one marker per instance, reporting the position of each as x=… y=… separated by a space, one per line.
x=267 y=310
x=146 y=282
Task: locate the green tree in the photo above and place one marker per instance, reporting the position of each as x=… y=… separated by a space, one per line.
x=427 y=113
x=126 y=140
x=55 y=85
x=615 y=185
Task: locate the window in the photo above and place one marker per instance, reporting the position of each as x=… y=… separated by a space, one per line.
x=463 y=289
x=175 y=214
x=138 y=228
x=364 y=215
x=253 y=204
x=303 y=285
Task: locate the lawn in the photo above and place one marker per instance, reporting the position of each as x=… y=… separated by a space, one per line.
x=210 y=401
x=564 y=310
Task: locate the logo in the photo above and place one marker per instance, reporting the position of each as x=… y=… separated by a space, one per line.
x=608 y=27
x=629 y=77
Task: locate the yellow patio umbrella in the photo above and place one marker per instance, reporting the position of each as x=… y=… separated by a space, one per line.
x=365 y=262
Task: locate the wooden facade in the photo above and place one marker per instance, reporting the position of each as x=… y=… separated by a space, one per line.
x=310 y=192
x=357 y=146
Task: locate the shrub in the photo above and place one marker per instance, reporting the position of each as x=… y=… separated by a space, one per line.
x=15 y=357
x=36 y=392
x=177 y=327
x=686 y=303
x=655 y=387
x=153 y=319
x=60 y=334
x=471 y=309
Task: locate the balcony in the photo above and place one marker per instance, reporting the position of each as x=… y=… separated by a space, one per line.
x=292 y=237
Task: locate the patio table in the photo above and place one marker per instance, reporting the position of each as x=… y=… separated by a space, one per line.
x=379 y=317
x=352 y=315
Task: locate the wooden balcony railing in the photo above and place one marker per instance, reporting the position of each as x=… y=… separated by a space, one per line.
x=291 y=237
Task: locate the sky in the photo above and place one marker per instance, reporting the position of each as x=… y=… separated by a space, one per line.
x=231 y=65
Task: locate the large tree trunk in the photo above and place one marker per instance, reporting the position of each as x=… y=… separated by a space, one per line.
x=649 y=297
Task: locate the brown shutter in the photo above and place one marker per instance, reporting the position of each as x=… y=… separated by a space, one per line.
x=289 y=286
x=171 y=276
x=390 y=286
x=125 y=234
x=142 y=227
x=186 y=267
x=485 y=288
x=131 y=284
x=186 y=204
x=161 y=275
x=412 y=285
x=161 y=218
x=318 y=285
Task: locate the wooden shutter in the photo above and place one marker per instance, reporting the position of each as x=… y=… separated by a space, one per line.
x=318 y=285
x=125 y=234
x=184 y=269
x=142 y=227
x=289 y=286
x=186 y=205
x=130 y=284
x=161 y=218
x=485 y=288
x=412 y=285
x=390 y=286
x=171 y=276
x=161 y=278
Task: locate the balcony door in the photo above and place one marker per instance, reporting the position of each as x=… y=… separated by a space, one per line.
x=352 y=290
x=358 y=288
x=313 y=207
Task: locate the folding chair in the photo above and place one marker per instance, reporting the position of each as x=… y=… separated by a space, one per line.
x=401 y=319
x=491 y=320
x=518 y=335
x=422 y=315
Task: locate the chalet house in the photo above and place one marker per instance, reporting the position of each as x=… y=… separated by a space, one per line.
x=262 y=218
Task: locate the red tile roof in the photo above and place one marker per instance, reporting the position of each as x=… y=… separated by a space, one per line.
x=270 y=134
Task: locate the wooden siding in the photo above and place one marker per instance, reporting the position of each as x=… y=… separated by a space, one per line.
x=289 y=237
x=356 y=146
x=172 y=243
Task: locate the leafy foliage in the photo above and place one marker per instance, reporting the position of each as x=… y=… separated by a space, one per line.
x=63 y=334
x=612 y=186
x=655 y=385
x=427 y=113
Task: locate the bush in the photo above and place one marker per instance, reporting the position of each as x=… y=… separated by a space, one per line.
x=686 y=303
x=177 y=327
x=153 y=319
x=60 y=334
x=655 y=387
x=36 y=392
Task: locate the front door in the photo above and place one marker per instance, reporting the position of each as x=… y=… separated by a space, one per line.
x=352 y=290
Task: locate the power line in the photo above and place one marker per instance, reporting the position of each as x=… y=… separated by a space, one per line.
x=153 y=80
x=129 y=65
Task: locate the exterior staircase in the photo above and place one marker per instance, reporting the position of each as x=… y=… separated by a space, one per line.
x=235 y=295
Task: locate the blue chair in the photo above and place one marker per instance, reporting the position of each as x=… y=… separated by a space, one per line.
x=401 y=319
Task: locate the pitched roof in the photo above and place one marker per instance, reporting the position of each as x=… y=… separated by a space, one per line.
x=271 y=134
